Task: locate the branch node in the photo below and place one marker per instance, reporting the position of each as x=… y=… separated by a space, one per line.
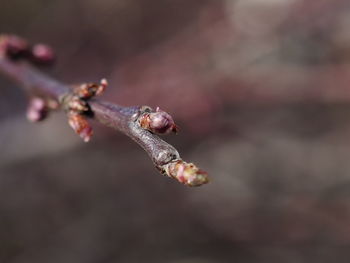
x=75 y=103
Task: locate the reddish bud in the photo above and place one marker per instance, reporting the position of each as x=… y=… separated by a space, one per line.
x=187 y=173
x=158 y=122
x=102 y=87
x=80 y=125
x=42 y=54
x=89 y=90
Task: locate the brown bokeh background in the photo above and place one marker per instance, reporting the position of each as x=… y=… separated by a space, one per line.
x=259 y=89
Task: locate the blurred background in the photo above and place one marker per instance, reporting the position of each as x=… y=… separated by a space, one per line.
x=260 y=90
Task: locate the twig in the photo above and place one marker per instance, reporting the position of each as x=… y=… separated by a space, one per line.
x=140 y=123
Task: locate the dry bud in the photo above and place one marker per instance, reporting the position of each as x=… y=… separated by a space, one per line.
x=80 y=125
x=42 y=54
x=187 y=173
x=77 y=105
x=158 y=122
x=89 y=90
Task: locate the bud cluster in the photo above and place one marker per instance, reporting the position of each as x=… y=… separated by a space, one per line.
x=77 y=107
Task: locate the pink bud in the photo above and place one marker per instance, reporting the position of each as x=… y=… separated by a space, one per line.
x=158 y=122
x=42 y=54
x=37 y=110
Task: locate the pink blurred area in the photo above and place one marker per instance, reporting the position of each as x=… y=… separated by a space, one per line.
x=260 y=90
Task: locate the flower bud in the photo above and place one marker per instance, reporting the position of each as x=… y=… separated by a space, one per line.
x=187 y=173
x=80 y=125
x=158 y=122
x=42 y=54
x=88 y=90
x=37 y=110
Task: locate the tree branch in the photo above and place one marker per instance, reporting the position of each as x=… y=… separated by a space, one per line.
x=140 y=123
